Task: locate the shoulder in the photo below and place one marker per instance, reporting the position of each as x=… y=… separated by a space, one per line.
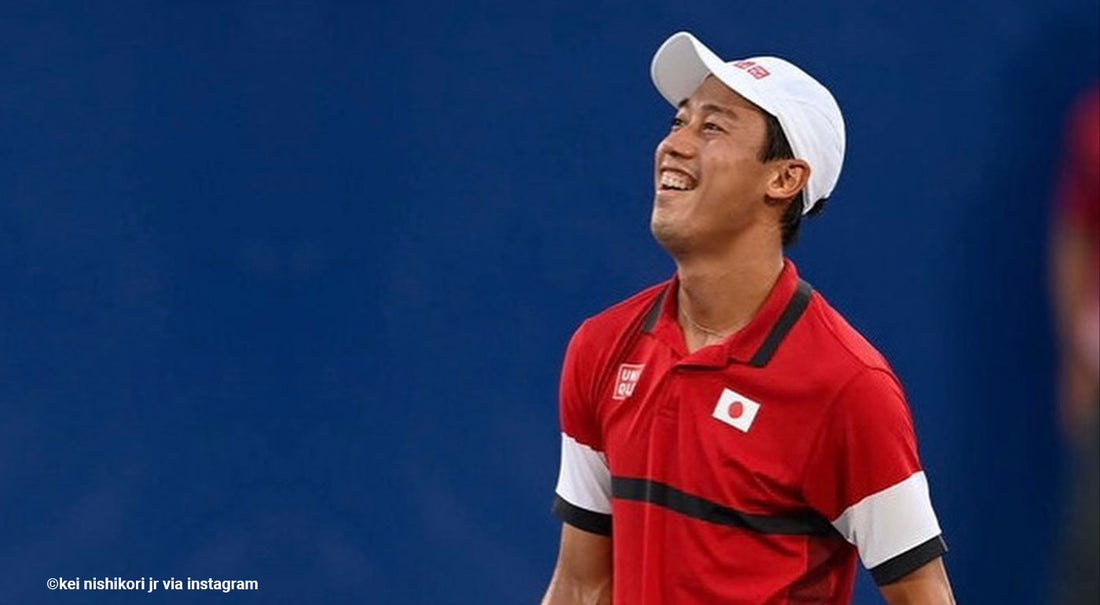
x=831 y=359
x=1084 y=118
x=863 y=389
x=844 y=343
x=597 y=343
x=599 y=339
x=608 y=326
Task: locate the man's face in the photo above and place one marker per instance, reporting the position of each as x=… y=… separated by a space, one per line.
x=710 y=182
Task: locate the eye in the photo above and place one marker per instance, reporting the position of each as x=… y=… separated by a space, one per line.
x=713 y=126
x=676 y=122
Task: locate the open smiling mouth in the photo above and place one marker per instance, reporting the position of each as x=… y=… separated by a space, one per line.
x=676 y=181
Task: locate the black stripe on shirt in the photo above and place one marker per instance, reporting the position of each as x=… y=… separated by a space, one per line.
x=786 y=321
x=654 y=312
x=894 y=568
x=581 y=518
x=666 y=496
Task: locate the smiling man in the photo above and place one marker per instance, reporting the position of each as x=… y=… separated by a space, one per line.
x=726 y=436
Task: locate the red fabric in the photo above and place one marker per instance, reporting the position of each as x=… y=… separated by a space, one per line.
x=866 y=444
x=1079 y=183
x=1079 y=187
x=832 y=428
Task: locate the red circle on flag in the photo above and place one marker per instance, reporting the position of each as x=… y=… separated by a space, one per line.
x=736 y=409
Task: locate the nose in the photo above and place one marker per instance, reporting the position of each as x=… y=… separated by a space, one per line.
x=678 y=143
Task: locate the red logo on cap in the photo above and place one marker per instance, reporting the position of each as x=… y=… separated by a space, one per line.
x=754 y=70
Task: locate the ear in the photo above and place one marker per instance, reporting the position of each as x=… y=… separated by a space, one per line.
x=788 y=178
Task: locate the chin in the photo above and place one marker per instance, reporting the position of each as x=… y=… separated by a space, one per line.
x=673 y=240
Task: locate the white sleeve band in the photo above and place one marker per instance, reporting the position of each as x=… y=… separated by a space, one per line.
x=584 y=480
x=890 y=522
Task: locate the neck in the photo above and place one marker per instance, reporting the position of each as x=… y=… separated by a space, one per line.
x=720 y=294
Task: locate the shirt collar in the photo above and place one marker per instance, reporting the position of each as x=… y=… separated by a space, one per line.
x=753 y=344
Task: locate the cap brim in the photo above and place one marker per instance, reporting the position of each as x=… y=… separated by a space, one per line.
x=682 y=63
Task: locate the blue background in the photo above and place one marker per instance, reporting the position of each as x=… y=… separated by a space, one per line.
x=286 y=285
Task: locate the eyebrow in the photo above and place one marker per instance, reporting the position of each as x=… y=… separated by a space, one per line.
x=711 y=107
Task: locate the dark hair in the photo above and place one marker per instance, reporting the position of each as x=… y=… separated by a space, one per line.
x=776 y=147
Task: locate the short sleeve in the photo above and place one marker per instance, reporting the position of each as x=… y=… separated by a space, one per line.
x=583 y=494
x=864 y=475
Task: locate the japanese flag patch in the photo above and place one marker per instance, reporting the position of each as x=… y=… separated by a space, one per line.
x=736 y=410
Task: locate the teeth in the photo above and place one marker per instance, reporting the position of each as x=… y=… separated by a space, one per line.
x=676 y=180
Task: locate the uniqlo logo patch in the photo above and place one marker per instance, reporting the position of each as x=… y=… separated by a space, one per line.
x=736 y=410
x=627 y=379
x=756 y=71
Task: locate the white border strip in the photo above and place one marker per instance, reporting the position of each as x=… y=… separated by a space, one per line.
x=584 y=479
x=890 y=522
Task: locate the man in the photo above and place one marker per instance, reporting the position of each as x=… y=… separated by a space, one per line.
x=1075 y=267
x=726 y=436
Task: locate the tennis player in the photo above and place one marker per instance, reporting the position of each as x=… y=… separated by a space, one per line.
x=727 y=438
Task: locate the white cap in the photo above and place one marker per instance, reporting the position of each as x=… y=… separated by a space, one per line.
x=806 y=111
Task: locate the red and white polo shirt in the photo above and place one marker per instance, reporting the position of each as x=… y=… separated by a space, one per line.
x=750 y=471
